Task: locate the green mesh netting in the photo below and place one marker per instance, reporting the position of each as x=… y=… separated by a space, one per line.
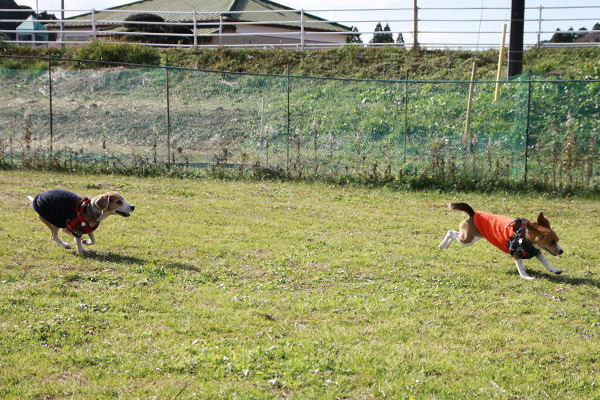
x=303 y=126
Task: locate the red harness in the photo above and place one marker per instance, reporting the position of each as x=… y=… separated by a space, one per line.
x=78 y=227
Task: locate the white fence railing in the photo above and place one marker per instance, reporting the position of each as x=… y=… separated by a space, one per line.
x=451 y=27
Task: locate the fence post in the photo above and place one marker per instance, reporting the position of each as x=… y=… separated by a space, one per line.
x=51 y=112
x=262 y=125
x=527 y=125
x=220 y=28
x=94 y=24
x=416 y=27
x=302 y=29
x=405 y=113
x=287 y=158
x=168 y=115
x=539 y=32
x=195 y=31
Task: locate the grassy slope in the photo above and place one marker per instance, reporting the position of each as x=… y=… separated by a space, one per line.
x=217 y=289
x=347 y=62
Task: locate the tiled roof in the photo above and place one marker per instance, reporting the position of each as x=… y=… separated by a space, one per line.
x=30 y=24
x=209 y=10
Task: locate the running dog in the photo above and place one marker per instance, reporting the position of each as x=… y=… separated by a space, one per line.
x=519 y=237
x=61 y=209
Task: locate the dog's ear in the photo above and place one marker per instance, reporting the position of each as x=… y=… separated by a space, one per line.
x=542 y=221
x=531 y=228
x=101 y=202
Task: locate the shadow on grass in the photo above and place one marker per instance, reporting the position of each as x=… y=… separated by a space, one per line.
x=574 y=281
x=561 y=278
x=132 y=260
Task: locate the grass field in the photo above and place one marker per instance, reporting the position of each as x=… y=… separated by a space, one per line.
x=221 y=289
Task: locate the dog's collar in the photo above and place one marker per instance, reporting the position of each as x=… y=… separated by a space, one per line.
x=79 y=227
x=518 y=245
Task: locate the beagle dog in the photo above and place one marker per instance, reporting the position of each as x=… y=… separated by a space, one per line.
x=61 y=209
x=518 y=237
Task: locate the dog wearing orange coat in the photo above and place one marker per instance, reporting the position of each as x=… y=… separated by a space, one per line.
x=519 y=237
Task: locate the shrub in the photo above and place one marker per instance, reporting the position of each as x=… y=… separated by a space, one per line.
x=119 y=52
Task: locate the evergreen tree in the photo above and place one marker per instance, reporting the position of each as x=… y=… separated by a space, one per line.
x=400 y=39
x=377 y=36
x=380 y=37
x=387 y=37
x=354 y=38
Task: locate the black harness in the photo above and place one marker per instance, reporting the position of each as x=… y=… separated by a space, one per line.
x=518 y=245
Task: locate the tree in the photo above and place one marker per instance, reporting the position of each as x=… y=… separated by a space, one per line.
x=379 y=37
x=562 y=37
x=44 y=15
x=400 y=39
x=354 y=38
x=154 y=28
x=11 y=26
x=388 y=37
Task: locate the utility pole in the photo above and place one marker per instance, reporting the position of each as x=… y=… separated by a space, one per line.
x=515 y=49
x=62 y=23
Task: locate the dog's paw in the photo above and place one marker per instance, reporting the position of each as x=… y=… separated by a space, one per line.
x=558 y=271
x=66 y=246
x=87 y=242
x=527 y=277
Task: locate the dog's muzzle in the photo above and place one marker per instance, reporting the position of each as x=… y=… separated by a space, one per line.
x=126 y=214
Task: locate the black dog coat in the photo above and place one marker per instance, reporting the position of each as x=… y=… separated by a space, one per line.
x=57 y=206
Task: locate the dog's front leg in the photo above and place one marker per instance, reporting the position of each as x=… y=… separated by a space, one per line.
x=91 y=241
x=546 y=264
x=79 y=244
x=521 y=269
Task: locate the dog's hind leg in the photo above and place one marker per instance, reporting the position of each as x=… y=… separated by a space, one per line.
x=456 y=236
x=54 y=234
x=546 y=264
x=57 y=239
x=466 y=235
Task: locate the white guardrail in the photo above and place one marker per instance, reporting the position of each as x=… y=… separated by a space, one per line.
x=452 y=27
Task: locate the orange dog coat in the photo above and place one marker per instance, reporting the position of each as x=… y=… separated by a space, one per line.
x=497 y=229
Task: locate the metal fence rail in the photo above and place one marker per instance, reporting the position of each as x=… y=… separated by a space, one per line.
x=449 y=27
x=540 y=130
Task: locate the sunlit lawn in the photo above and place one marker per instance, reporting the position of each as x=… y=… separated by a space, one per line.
x=220 y=289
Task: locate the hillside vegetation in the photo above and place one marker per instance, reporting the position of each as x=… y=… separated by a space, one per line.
x=384 y=132
x=346 y=62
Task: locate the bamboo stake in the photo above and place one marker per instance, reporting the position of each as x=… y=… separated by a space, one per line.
x=469 y=101
x=500 y=62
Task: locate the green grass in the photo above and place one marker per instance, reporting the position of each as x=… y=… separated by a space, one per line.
x=220 y=289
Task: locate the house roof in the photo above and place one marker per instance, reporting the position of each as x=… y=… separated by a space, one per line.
x=208 y=10
x=31 y=24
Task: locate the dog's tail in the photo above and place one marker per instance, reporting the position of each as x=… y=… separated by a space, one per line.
x=462 y=207
x=30 y=200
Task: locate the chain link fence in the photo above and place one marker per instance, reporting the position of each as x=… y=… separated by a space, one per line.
x=539 y=130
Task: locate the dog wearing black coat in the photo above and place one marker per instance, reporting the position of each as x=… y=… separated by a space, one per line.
x=61 y=209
